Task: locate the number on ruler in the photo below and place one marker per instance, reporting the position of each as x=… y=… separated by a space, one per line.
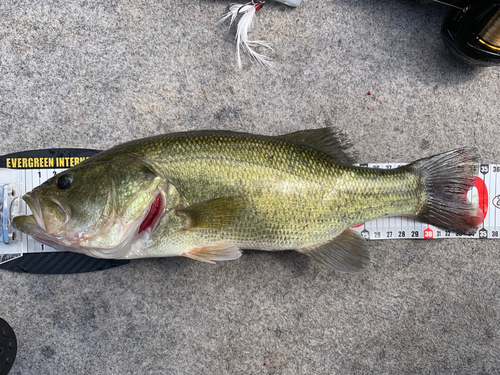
x=389 y=234
x=414 y=233
x=401 y=233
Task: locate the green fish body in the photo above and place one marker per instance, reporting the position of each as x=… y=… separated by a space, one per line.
x=208 y=194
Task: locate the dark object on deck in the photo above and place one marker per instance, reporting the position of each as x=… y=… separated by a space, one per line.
x=471 y=30
x=8 y=347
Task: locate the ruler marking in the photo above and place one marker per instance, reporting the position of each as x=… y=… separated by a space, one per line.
x=491 y=206
x=491 y=198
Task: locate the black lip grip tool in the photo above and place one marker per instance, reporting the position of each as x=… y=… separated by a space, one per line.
x=8 y=347
x=471 y=29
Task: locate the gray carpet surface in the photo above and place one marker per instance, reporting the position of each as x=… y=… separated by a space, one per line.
x=93 y=74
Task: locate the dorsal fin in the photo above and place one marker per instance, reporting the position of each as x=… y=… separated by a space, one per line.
x=328 y=140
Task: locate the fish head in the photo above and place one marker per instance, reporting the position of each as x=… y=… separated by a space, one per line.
x=100 y=207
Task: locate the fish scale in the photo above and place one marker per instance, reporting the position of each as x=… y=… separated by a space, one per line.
x=230 y=164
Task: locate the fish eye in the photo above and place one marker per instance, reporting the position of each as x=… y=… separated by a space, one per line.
x=64 y=181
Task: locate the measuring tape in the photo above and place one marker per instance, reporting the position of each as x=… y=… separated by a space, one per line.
x=22 y=172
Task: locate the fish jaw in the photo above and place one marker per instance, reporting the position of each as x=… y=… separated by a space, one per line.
x=29 y=225
x=34 y=205
x=53 y=216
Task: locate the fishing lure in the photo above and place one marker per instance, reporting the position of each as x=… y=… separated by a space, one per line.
x=244 y=14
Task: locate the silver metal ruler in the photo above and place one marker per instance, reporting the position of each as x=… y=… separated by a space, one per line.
x=486 y=193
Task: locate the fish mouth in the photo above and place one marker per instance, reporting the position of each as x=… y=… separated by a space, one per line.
x=36 y=209
x=29 y=225
x=54 y=215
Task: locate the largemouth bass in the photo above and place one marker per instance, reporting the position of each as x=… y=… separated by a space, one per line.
x=208 y=194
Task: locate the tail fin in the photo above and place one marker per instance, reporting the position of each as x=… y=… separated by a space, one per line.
x=446 y=179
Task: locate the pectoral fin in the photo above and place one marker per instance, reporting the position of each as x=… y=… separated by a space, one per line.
x=215 y=213
x=213 y=253
x=345 y=253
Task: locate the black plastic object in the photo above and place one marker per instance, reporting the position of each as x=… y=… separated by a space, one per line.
x=463 y=28
x=57 y=263
x=8 y=347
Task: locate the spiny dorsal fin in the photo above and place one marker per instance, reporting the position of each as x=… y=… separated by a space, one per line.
x=345 y=253
x=213 y=253
x=327 y=140
x=215 y=213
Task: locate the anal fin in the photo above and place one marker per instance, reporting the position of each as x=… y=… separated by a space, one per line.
x=347 y=252
x=213 y=253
